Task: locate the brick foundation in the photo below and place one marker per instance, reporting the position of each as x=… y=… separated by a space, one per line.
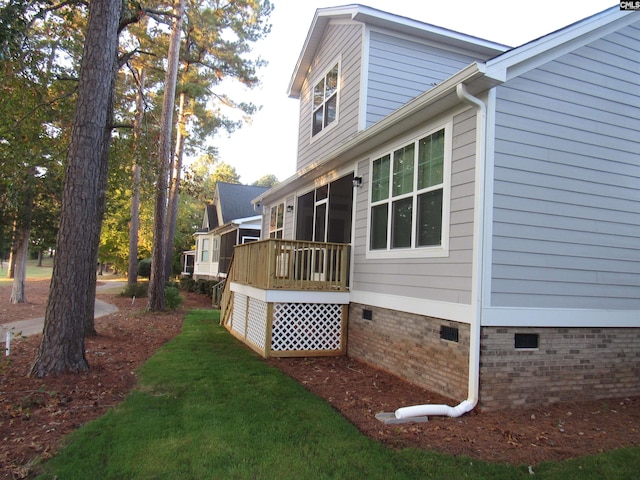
x=569 y=364
x=410 y=347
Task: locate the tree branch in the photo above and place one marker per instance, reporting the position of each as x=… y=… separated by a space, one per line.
x=46 y=104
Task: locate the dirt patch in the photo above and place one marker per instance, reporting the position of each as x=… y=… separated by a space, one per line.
x=36 y=413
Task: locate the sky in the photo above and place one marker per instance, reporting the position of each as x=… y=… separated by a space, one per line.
x=269 y=144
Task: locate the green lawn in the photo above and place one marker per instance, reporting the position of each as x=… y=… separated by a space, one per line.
x=207 y=408
x=33 y=271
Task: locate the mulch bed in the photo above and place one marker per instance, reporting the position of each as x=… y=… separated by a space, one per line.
x=36 y=413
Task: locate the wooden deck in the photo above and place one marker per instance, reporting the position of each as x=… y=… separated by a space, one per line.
x=292 y=265
x=288 y=328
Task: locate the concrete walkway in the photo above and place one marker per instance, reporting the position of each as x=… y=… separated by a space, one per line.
x=33 y=326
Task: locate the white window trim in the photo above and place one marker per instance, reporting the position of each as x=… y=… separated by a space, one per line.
x=416 y=252
x=312 y=86
x=205 y=242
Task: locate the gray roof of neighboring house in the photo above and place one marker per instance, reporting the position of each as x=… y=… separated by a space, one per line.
x=235 y=200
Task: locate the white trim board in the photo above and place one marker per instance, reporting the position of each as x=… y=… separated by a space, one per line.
x=419 y=306
x=559 y=317
x=291 y=296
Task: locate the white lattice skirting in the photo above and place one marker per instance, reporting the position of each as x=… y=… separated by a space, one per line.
x=239 y=316
x=295 y=327
x=306 y=327
x=249 y=319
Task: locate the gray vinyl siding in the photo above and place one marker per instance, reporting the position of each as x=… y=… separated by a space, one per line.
x=442 y=279
x=566 y=230
x=400 y=69
x=341 y=41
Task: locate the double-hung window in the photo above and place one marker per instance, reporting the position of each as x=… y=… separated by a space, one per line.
x=408 y=196
x=276 y=224
x=325 y=100
x=204 y=256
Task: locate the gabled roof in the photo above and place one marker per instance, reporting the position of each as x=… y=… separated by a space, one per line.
x=211 y=218
x=477 y=77
x=520 y=60
x=388 y=21
x=234 y=200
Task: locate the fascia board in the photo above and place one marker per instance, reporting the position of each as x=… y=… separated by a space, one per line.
x=319 y=23
x=436 y=100
x=531 y=55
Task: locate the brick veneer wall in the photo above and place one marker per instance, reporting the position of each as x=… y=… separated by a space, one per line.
x=569 y=364
x=410 y=347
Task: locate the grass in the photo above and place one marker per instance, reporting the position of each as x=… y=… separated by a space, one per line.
x=206 y=407
x=33 y=271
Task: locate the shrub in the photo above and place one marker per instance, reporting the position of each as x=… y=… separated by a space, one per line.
x=187 y=284
x=144 y=268
x=172 y=298
x=138 y=290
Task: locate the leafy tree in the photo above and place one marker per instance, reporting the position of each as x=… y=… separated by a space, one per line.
x=217 y=38
x=225 y=173
x=34 y=110
x=269 y=180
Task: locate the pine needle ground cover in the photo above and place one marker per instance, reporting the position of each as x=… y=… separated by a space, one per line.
x=206 y=407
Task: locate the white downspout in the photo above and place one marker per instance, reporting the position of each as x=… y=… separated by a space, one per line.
x=474 y=341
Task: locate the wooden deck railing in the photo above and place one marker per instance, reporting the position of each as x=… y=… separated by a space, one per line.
x=291 y=265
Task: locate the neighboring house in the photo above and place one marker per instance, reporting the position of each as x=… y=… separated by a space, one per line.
x=230 y=219
x=488 y=200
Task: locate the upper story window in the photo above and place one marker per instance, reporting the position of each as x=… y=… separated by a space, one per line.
x=276 y=224
x=408 y=195
x=325 y=100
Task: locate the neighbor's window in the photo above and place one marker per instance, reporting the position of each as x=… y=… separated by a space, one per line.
x=325 y=100
x=215 y=249
x=204 y=256
x=407 y=191
x=276 y=225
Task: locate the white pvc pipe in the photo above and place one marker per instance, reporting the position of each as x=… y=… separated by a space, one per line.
x=440 y=410
x=7 y=345
x=474 y=330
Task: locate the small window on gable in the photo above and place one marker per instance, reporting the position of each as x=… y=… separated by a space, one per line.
x=325 y=100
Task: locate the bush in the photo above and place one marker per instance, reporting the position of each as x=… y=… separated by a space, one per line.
x=138 y=290
x=144 y=268
x=172 y=298
x=187 y=284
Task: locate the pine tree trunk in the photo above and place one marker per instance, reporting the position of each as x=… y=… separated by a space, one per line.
x=174 y=191
x=134 y=225
x=157 y=280
x=72 y=291
x=18 y=293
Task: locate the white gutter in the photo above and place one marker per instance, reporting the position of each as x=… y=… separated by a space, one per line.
x=407 y=413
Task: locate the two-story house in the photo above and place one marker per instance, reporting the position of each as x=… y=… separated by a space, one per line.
x=230 y=219
x=464 y=214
